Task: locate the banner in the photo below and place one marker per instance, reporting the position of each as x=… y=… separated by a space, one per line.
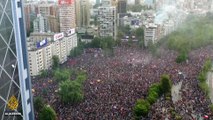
x=58 y=36
x=67 y=2
x=42 y=43
x=70 y=32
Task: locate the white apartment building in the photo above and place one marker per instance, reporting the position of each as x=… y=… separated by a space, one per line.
x=47 y=55
x=67 y=16
x=107 y=20
x=150 y=34
x=36 y=61
x=40 y=52
x=56 y=47
x=63 y=50
x=71 y=40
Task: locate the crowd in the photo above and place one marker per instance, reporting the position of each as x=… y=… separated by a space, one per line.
x=115 y=83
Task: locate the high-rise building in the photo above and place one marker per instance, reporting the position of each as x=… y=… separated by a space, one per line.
x=150 y=34
x=41 y=24
x=49 y=10
x=121 y=6
x=27 y=11
x=67 y=14
x=114 y=2
x=15 y=83
x=107 y=19
x=98 y=2
x=30 y=15
x=82 y=13
x=53 y=24
x=137 y=2
x=46 y=8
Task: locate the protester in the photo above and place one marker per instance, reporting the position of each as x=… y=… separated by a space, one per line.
x=115 y=83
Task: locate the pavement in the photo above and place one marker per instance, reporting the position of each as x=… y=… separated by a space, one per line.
x=210 y=84
x=176 y=92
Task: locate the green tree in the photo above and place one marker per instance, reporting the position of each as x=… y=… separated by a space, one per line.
x=207 y=65
x=96 y=43
x=47 y=113
x=44 y=91
x=44 y=73
x=202 y=76
x=120 y=34
x=81 y=78
x=139 y=33
x=55 y=59
x=211 y=107
x=166 y=84
x=141 y=108
x=70 y=91
x=152 y=97
x=156 y=88
x=62 y=75
x=38 y=103
x=182 y=57
x=194 y=33
x=79 y=49
x=141 y=43
x=135 y=8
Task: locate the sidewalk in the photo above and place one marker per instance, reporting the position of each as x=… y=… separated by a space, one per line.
x=210 y=84
x=176 y=92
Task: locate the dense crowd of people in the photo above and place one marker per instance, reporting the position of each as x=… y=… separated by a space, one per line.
x=115 y=83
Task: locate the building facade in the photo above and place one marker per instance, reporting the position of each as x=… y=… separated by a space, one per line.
x=150 y=34
x=43 y=46
x=14 y=73
x=67 y=15
x=98 y=2
x=46 y=8
x=121 y=6
x=82 y=13
x=107 y=20
x=41 y=24
x=49 y=11
x=137 y=2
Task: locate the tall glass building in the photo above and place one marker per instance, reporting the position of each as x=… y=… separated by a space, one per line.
x=14 y=73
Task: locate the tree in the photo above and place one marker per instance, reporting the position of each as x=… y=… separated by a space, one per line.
x=55 y=59
x=152 y=97
x=139 y=33
x=141 y=108
x=44 y=91
x=166 y=84
x=202 y=76
x=96 y=43
x=135 y=8
x=211 y=107
x=154 y=93
x=141 y=43
x=47 y=113
x=81 y=78
x=78 y=50
x=70 y=91
x=43 y=73
x=62 y=75
x=156 y=88
x=182 y=57
x=38 y=103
